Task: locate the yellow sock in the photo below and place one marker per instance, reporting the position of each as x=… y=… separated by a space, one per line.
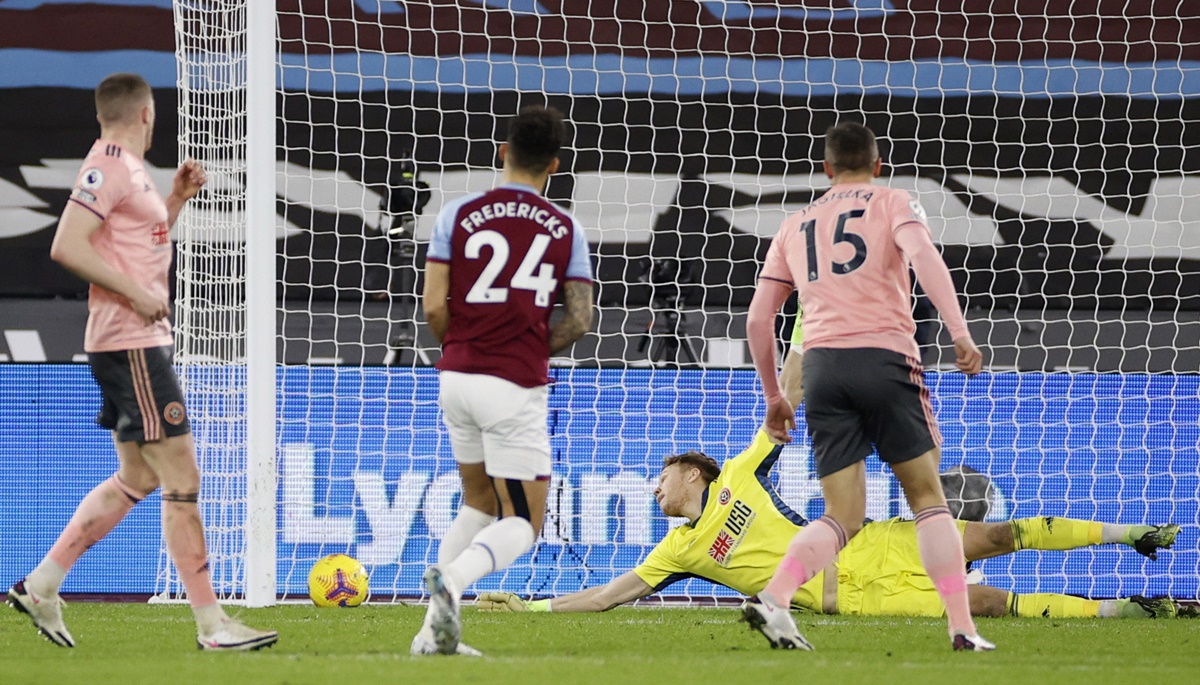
x=1052 y=532
x=1046 y=605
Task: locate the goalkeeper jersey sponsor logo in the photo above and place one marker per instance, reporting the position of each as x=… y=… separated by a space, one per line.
x=731 y=534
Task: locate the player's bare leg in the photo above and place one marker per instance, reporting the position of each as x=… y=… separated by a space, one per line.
x=477 y=511
x=174 y=460
x=985 y=540
x=97 y=514
x=940 y=545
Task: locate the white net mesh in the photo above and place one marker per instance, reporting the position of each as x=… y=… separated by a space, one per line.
x=1056 y=168
x=210 y=265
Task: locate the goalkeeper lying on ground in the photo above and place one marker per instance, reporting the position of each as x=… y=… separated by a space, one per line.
x=739 y=530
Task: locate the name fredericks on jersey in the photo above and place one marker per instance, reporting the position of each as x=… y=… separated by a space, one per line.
x=731 y=534
x=514 y=210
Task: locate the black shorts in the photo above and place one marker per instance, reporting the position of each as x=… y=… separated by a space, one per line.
x=142 y=399
x=854 y=398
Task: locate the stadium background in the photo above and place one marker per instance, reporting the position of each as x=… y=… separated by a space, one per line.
x=1052 y=78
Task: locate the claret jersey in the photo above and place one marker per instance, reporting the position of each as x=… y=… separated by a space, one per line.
x=510 y=250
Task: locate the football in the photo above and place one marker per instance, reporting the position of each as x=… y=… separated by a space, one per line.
x=337 y=580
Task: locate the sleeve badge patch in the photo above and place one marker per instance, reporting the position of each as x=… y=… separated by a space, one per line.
x=92 y=179
x=918 y=212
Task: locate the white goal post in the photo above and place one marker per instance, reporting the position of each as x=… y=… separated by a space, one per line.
x=226 y=307
x=1058 y=170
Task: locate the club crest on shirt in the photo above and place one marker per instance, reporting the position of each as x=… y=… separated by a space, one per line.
x=724 y=497
x=92 y=179
x=732 y=533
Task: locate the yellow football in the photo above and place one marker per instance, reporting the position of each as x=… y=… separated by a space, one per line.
x=337 y=580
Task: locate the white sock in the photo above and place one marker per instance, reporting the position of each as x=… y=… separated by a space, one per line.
x=46 y=579
x=208 y=617
x=462 y=531
x=492 y=549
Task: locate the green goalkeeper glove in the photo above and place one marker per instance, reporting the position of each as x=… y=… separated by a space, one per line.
x=507 y=601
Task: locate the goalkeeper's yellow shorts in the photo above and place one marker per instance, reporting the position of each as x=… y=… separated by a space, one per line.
x=880 y=573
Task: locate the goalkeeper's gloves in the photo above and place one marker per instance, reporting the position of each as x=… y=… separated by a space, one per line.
x=507 y=601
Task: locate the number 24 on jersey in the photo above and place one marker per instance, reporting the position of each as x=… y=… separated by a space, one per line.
x=531 y=274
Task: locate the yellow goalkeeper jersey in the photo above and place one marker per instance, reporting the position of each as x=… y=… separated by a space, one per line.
x=797 y=339
x=741 y=535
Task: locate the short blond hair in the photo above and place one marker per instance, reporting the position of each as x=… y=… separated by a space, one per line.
x=709 y=469
x=119 y=97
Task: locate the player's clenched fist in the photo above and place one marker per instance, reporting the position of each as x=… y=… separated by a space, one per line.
x=189 y=179
x=500 y=601
x=968 y=358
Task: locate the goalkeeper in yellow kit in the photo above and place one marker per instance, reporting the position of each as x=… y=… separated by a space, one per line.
x=738 y=530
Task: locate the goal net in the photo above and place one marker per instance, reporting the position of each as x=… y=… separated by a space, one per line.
x=1051 y=150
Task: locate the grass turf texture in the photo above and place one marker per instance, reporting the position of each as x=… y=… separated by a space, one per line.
x=138 y=643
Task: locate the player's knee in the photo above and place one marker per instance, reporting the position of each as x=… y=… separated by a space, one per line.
x=136 y=480
x=987 y=602
x=995 y=606
x=922 y=495
x=482 y=500
x=1000 y=537
x=479 y=493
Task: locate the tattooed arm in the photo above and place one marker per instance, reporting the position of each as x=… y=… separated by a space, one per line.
x=578 y=318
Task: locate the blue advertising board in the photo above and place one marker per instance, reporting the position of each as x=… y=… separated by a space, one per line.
x=365 y=468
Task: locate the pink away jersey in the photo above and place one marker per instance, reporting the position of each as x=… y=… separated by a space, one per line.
x=134 y=240
x=840 y=253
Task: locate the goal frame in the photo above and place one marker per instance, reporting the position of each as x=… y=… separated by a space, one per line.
x=261 y=476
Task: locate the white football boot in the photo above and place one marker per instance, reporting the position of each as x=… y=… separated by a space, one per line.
x=423 y=644
x=774 y=622
x=970 y=643
x=443 y=613
x=231 y=635
x=46 y=613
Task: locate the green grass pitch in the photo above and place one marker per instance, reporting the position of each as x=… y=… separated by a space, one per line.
x=137 y=643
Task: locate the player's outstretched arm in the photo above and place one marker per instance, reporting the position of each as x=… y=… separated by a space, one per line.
x=72 y=248
x=578 y=317
x=622 y=589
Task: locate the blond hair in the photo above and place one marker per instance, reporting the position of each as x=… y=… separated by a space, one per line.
x=119 y=97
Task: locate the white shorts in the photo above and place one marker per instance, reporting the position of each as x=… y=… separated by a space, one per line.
x=497 y=423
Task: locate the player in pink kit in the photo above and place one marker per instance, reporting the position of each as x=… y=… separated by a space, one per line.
x=114 y=233
x=848 y=254
x=497 y=263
